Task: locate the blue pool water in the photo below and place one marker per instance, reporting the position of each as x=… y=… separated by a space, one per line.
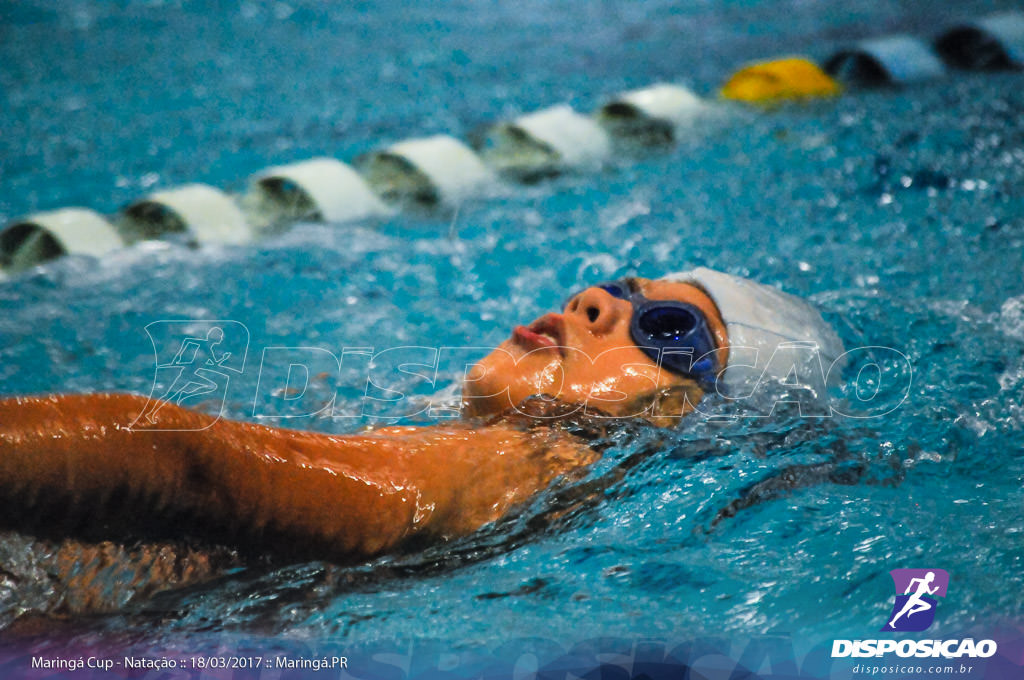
x=899 y=212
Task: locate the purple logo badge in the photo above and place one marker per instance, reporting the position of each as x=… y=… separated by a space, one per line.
x=916 y=590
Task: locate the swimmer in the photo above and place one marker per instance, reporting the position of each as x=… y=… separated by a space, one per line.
x=349 y=498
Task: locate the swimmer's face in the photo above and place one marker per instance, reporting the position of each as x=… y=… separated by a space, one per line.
x=585 y=354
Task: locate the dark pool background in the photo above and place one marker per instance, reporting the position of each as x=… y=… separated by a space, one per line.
x=899 y=212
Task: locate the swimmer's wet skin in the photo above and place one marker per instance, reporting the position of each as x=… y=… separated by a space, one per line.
x=71 y=463
x=343 y=498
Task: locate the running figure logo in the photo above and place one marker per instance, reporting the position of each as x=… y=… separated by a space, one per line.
x=194 y=359
x=916 y=590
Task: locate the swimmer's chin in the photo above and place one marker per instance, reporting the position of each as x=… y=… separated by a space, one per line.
x=508 y=375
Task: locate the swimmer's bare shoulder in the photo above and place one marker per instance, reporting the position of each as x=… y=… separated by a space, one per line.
x=339 y=497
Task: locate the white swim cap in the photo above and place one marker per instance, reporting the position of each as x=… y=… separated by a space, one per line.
x=773 y=336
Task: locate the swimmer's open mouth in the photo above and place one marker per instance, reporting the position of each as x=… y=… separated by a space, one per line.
x=547 y=331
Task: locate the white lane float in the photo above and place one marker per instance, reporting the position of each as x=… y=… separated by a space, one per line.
x=428 y=172
x=318 y=189
x=652 y=116
x=894 y=59
x=196 y=213
x=994 y=42
x=546 y=143
x=47 y=235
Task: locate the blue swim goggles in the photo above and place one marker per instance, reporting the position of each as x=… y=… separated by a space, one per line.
x=676 y=334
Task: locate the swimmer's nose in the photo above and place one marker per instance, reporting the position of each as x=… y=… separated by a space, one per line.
x=595 y=309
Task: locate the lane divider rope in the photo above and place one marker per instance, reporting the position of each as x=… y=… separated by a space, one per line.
x=441 y=171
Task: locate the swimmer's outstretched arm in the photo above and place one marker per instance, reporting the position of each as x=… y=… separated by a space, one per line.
x=336 y=497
